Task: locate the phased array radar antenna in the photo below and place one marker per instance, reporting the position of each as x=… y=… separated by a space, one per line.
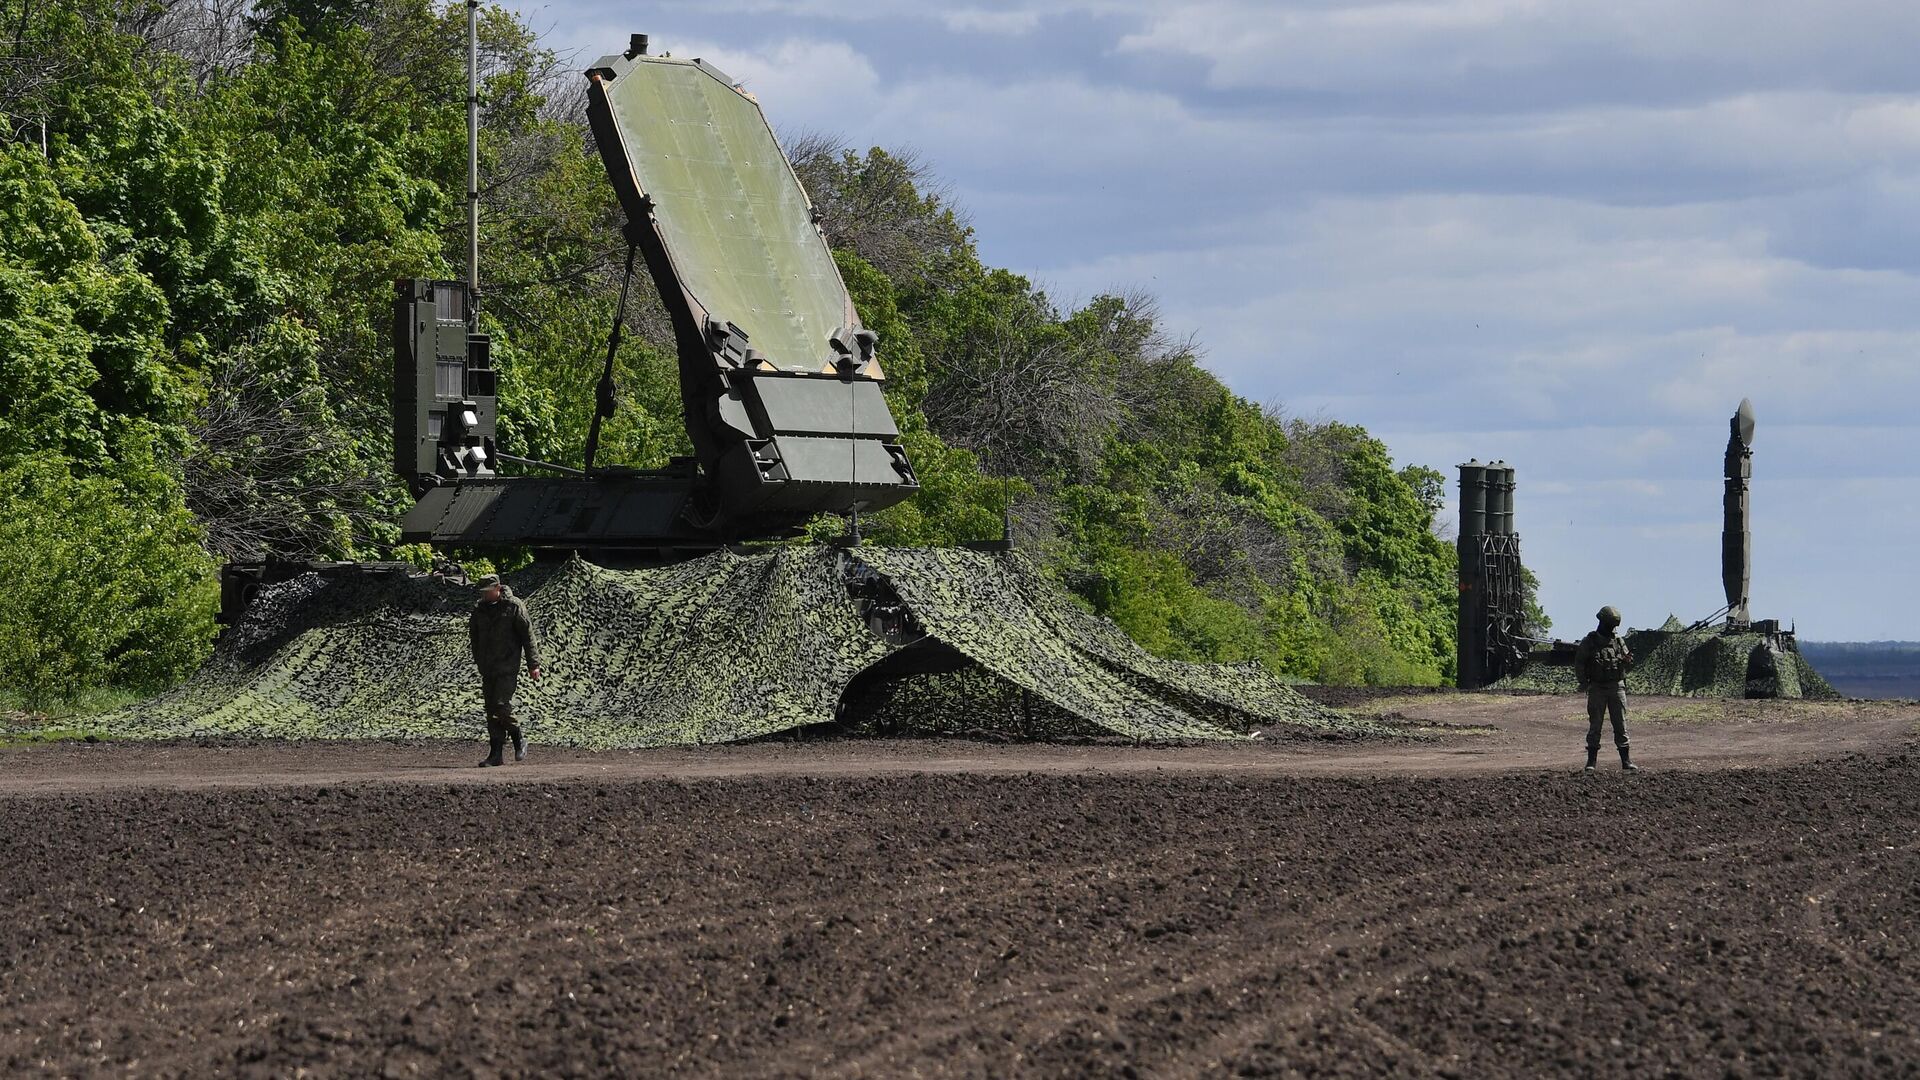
x=780 y=382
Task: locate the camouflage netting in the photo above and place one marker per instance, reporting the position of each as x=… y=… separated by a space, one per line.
x=718 y=649
x=1700 y=663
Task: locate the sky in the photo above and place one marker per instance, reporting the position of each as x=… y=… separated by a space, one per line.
x=1568 y=235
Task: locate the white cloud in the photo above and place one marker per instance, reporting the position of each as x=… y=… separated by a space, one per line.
x=1455 y=46
x=981 y=21
x=1888 y=130
x=802 y=78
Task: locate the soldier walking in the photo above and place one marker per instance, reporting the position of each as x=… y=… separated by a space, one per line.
x=501 y=633
x=1601 y=664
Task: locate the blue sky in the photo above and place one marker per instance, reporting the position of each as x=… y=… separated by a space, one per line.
x=1569 y=235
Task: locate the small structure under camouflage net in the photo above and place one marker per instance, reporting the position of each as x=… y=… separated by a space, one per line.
x=1709 y=662
x=719 y=649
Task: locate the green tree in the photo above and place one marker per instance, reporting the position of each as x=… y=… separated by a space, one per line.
x=106 y=582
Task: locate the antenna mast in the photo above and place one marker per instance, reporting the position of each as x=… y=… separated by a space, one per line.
x=473 y=165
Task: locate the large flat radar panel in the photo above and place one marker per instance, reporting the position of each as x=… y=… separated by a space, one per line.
x=779 y=381
x=733 y=217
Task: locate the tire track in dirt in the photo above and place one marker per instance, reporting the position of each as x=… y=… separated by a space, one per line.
x=931 y=1035
x=964 y=925
x=1209 y=974
x=1821 y=918
x=1215 y=1051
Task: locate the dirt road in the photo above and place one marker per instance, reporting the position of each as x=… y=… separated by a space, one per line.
x=1465 y=906
x=1456 y=734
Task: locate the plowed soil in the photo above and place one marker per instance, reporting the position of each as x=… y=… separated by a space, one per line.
x=1449 y=906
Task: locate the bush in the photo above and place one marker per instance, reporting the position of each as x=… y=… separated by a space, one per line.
x=102 y=580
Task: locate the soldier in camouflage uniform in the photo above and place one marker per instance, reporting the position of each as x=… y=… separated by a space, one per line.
x=501 y=634
x=1601 y=665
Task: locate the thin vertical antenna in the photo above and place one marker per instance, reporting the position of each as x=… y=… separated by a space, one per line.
x=473 y=164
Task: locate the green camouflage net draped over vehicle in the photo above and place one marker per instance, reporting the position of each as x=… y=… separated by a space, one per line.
x=1017 y=624
x=717 y=649
x=1699 y=663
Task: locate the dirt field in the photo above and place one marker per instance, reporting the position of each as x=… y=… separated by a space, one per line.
x=1463 y=905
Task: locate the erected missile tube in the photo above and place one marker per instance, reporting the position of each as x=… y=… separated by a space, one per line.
x=1473 y=526
x=1500 y=485
x=1473 y=499
x=1736 y=530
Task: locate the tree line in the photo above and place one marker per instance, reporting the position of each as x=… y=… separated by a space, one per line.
x=204 y=204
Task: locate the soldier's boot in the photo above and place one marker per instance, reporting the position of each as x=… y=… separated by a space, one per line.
x=519 y=742
x=1626 y=761
x=496 y=743
x=1593 y=756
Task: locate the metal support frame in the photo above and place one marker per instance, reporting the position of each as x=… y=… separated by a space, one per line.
x=1492 y=621
x=1503 y=616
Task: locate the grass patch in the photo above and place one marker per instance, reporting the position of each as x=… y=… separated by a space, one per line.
x=64 y=721
x=25 y=736
x=90 y=702
x=1702 y=712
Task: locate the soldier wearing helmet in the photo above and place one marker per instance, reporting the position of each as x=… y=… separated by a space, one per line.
x=1601 y=665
